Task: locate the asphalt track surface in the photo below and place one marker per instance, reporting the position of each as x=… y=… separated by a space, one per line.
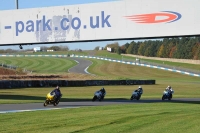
x=82 y=66
x=11 y=108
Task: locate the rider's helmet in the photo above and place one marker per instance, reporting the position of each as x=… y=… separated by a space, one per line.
x=140 y=87
x=57 y=87
x=102 y=90
x=169 y=87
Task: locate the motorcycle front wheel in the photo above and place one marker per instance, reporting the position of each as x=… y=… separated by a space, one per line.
x=94 y=98
x=131 y=98
x=163 y=98
x=138 y=98
x=57 y=102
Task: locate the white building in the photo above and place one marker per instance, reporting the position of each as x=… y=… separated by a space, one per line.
x=36 y=49
x=109 y=49
x=50 y=50
x=100 y=48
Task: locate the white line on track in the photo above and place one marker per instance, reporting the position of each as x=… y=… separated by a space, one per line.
x=31 y=110
x=87 y=68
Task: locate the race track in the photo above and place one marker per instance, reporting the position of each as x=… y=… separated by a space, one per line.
x=11 y=108
x=82 y=66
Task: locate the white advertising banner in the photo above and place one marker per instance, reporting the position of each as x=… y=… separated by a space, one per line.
x=122 y=19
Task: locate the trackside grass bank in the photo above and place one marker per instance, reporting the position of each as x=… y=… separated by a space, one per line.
x=106 y=54
x=131 y=118
x=124 y=71
x=177 y=65
x=40 y=65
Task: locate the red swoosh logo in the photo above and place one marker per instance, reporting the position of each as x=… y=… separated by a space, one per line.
x=151 y=18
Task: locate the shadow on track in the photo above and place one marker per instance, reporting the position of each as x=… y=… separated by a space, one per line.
x=25 y=97
x=21 y=97
x=177 y=100
x=185 y=101
x=106 y=100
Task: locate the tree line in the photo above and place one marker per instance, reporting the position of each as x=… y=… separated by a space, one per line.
x=180 y=48
x=55 y=48
x=43 y=48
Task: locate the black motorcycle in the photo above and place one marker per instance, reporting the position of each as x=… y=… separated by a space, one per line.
x=167 y=95
x=98 y=96
x=136 y=95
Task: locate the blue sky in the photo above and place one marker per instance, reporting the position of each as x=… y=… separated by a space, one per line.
x=10 y=5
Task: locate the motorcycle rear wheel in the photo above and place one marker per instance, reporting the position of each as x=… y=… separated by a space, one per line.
x=45 y=104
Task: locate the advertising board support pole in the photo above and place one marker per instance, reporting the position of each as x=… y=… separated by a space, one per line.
x=17 y=4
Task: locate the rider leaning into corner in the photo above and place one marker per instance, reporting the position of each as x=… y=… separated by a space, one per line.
x=57 y=92
x=169 y=90
x=140 y=90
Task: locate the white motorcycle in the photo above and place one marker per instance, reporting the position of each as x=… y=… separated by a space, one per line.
x=136 y=95
x=98 y=96
x=167 y=94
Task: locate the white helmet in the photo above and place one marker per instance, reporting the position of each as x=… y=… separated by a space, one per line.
x=140 y=87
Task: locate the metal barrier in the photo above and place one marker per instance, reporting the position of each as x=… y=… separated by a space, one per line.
x=8 y=84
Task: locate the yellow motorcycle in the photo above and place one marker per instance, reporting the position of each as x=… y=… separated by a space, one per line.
x=51 y=99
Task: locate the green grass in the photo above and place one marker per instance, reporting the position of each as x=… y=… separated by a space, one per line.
x=46 y=65
x=137 y=118
x=175 y=64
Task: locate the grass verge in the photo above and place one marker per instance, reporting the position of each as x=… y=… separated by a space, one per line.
x=137 y=118
x=41 y=65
